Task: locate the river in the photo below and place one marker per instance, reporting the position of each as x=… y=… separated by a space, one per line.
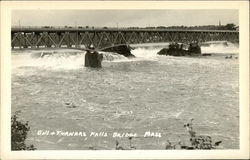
x=150 y=93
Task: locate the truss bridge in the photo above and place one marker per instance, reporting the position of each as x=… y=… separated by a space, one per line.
x=49 y=37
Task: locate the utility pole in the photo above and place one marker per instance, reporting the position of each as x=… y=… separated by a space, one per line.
x=19 y=23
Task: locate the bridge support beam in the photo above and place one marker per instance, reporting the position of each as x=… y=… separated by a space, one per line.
x=105 y=38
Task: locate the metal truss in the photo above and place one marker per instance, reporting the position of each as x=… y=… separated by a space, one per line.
x=101 y=38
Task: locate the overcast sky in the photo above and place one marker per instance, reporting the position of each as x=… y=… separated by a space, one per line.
x=123 y=18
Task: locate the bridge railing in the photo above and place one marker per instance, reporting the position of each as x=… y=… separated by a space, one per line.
x=84 y=28
x=64 y=27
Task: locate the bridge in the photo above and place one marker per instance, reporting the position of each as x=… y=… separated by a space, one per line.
x=74 y=37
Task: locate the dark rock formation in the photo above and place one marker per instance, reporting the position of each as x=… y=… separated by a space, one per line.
x=194 y=48
x=120 y=49
x=206 y=54
x=177 y=50
x=229 y=57
x=225 y=44
x=172 y=52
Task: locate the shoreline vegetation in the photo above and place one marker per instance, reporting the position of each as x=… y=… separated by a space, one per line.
x=19 y=132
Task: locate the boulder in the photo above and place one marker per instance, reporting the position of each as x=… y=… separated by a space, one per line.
x=194 y=48
x=120 y=49
x=177 y=50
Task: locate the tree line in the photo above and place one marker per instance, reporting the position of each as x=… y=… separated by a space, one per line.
x=229 y=26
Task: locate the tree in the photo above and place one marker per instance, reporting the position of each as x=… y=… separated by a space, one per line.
x=230 y=26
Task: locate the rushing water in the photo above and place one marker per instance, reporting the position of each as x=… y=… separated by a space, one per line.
x=149 y=93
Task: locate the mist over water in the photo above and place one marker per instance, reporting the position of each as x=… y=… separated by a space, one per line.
x=148 y=93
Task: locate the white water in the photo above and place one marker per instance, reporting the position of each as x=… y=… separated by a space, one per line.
x=74 y=59
x=148 y=93
x=221 y=48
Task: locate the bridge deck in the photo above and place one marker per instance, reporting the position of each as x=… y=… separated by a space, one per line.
x=35 y=37
x=75 y=29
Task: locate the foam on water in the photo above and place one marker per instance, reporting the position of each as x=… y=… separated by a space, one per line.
x=56 y=60
x=74 y=59
x=62 y=59
x=147 y=93
x=220 y=48
x=146 y=53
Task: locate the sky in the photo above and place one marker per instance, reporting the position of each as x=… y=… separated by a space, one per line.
x=123 y=18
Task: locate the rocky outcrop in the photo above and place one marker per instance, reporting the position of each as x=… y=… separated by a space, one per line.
x=124 y=50
x=178 y=50
x=194 y=48
x=172 y=52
